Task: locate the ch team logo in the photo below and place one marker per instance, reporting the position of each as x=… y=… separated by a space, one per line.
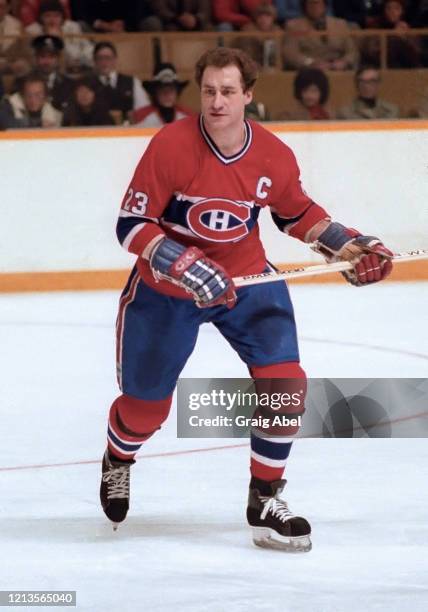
x=219 y=219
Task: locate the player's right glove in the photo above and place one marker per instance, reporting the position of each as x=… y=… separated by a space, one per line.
x=370 y=258
x=190 y=269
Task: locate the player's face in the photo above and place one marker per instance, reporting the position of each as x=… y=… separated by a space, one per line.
x=223 y=98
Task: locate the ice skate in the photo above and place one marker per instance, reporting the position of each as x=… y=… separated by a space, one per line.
x=273 y=524
x=114 y=490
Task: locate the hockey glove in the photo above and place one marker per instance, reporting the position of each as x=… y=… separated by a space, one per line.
x=190 y=269
x=370 y=258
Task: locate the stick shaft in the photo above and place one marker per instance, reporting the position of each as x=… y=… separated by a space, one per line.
x=316 y=270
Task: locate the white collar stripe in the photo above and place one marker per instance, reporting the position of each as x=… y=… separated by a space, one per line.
x=216 y=151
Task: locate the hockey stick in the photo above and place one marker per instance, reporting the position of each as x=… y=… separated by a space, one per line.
x=340 y=266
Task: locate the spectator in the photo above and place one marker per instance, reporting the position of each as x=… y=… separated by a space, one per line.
x=290 y=9
x=87 y=106
x=109 y=16
x=333 y=50
x=30 y=9
x=311 y=92
x=47 y=51
x=367 y=104
x=173 y=15
x=234 y=14
x=9 y=26
x=402 y=51
x=51 y=20
x=264 y=21
x=122 y=92
x=29 y=107
x=14 y=57
x=391 y=17
x=164 y=89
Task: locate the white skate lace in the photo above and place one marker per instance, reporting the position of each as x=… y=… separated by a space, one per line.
x=277 y=507
x=118 y=482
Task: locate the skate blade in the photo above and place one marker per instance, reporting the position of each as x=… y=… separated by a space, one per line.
x=115 y=526
x=268 y=538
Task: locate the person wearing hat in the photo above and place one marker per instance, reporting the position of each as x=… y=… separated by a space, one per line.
x=164 y=90
x=52 y=21
x=47 y=52
x=122 y=92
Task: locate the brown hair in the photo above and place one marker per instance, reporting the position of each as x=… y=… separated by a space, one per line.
x=224 y=56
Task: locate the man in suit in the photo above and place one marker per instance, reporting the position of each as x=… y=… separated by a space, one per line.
x=122 y=92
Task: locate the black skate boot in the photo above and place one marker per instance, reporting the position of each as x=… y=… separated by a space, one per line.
x=114 y=490
x=273 y=524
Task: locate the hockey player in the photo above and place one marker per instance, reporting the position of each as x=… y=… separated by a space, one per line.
x=190 y=215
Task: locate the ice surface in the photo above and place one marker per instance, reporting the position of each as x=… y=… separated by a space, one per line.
x=185 y=545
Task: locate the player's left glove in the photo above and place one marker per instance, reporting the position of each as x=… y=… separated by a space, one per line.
x=370 y=258
x=189 y=268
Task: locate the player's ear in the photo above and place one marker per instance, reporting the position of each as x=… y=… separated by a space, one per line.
x=248 y=96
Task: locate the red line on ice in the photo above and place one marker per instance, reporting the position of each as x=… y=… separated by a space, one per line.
x=153 y=455
x=210 y=448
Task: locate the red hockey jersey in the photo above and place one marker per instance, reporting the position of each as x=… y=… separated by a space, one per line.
x=185 y=188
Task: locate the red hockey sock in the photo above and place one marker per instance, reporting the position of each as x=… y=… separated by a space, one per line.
x=132 y=421
x=270 y=447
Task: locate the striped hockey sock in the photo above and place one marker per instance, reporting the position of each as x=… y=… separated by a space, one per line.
x=132 y=422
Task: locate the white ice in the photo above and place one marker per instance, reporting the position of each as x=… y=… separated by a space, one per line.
x=185 y=545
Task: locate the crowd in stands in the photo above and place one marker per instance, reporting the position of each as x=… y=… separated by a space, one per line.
x=59 y=76
x=49 y=98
